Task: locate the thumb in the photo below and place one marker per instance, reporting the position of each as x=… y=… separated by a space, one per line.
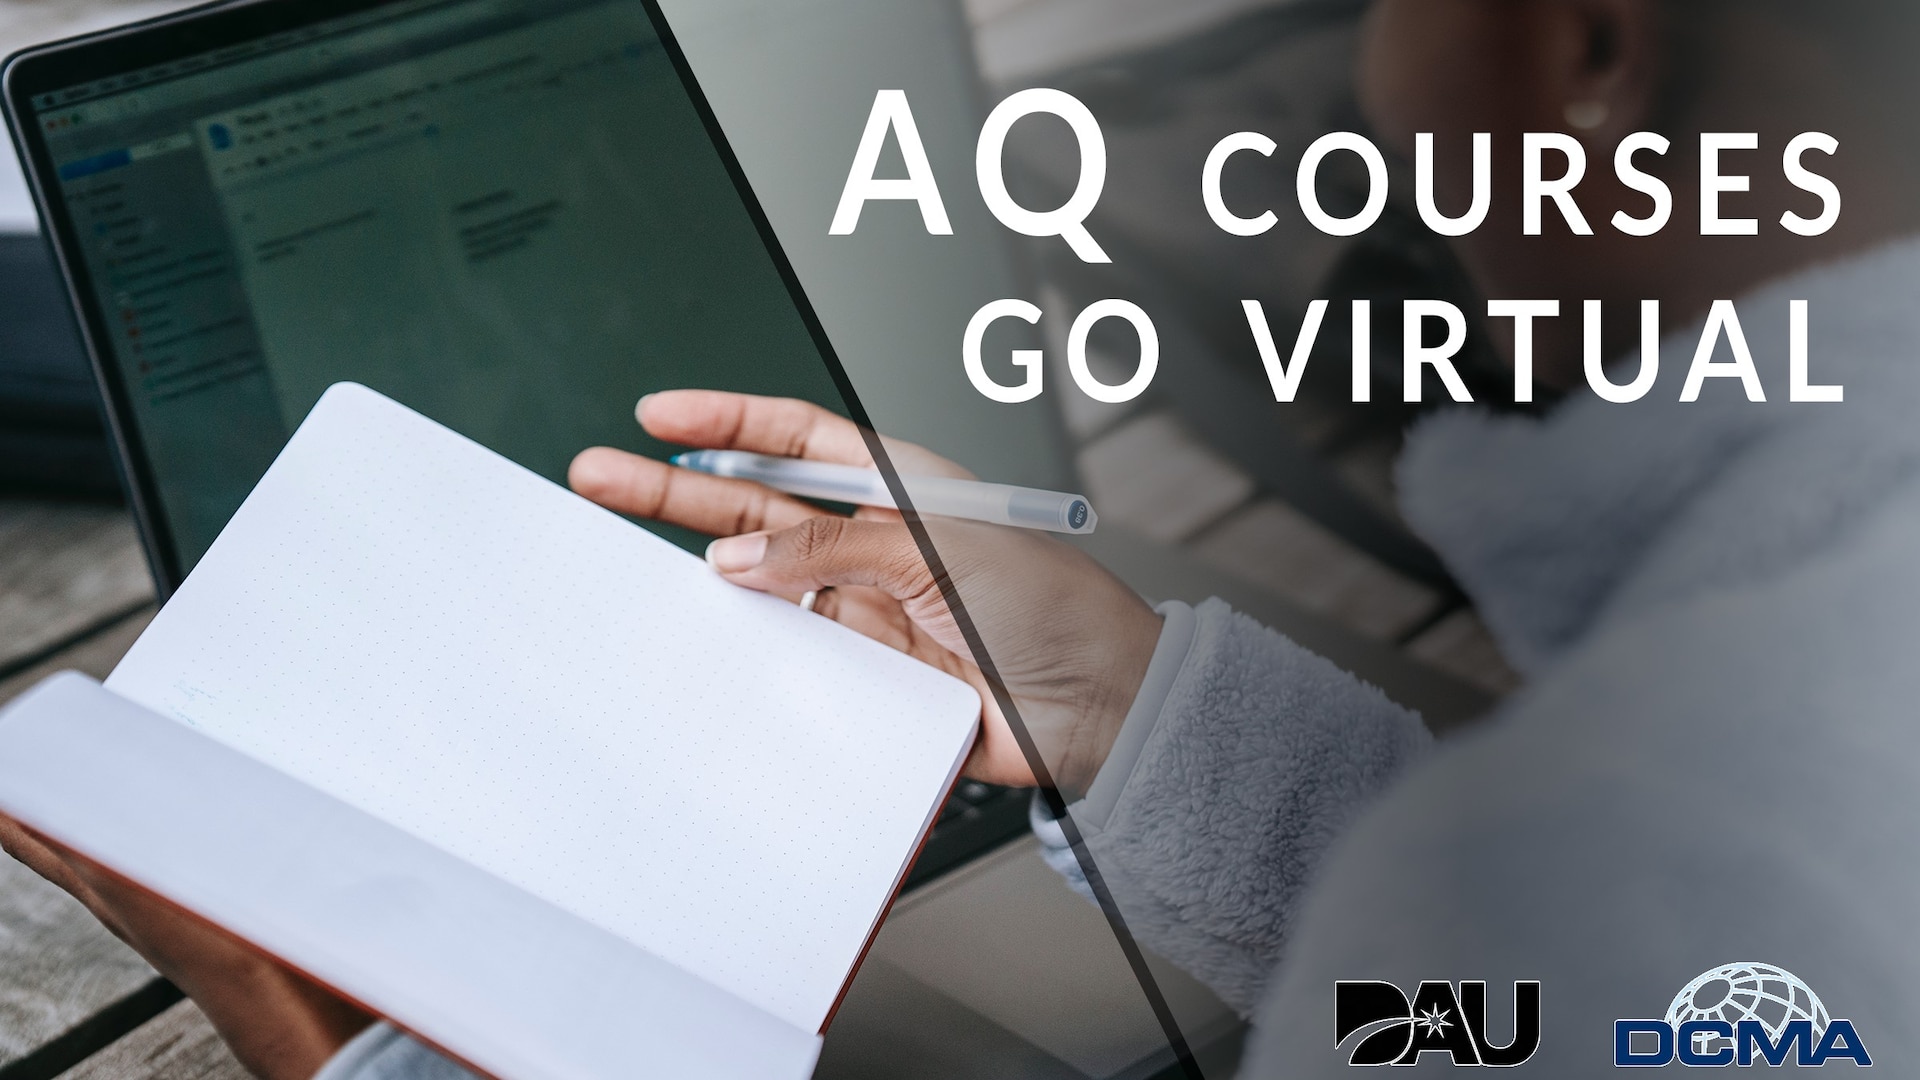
x=824 y=552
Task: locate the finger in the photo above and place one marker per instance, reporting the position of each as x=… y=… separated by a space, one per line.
x=826 y=552
x=56 y=864
x=631 y=484
x=869 y=612
x=909 y=459
x=15 y=841
x=782 y=427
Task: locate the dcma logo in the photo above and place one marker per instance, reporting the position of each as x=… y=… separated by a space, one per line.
x=1740 y=1014
x=1395 y=1031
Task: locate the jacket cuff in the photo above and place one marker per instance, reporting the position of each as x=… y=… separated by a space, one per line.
x=384 y=1052
x=354 y=1057
x=1169 y=657
x=1170 y=653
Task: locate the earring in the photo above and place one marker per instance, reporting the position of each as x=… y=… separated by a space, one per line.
x=1588 y=115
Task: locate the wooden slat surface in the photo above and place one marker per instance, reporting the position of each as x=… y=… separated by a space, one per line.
x=57 y=965
x=1461 y=646
x=1153 y=477
x=1278 y=548
x=178 y=1044
x=64 y=569
x=96 y=655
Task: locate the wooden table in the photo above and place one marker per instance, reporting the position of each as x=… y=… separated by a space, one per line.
x=74 y=1001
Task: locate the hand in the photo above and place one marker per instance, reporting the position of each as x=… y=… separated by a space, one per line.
x=1069 y=641
x=280 y=1024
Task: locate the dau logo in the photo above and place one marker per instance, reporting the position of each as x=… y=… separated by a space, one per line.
x=1394 y=1031
x=1740 y=1014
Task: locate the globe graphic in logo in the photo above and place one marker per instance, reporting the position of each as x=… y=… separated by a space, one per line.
x=1774 y=996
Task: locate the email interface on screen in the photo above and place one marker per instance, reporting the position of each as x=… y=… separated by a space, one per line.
x=505 y=213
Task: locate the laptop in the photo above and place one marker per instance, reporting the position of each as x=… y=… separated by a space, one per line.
x=51 y=438
x=512 y=215
x=518 y=217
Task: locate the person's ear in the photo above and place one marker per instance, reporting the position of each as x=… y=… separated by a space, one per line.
x=1606 y=67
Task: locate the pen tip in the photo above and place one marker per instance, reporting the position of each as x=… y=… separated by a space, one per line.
x=678 y=460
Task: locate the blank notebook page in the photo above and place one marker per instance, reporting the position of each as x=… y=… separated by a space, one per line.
x=428 y=632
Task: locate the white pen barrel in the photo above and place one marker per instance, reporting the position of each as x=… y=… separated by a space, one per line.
x=1001 y=504
x=807 y=479
x=861 y=487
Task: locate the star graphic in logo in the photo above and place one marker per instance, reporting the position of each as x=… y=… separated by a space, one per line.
x=1435 y=1020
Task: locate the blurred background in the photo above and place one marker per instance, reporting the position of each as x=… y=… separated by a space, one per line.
x=1293 y=500
x=1205 y=487
x=51 y=441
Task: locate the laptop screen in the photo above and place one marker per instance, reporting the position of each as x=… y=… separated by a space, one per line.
x=507 y=214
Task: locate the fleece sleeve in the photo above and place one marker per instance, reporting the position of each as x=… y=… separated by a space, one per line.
x=1259 y=757
x=383 y=1052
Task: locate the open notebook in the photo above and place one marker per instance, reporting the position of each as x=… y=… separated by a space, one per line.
x=504 y=767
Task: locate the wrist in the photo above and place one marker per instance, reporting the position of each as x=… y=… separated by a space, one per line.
x=1171 y=653
x=280 y=1025
x=1131 y=652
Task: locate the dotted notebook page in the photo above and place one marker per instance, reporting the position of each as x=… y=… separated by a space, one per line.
x=424 y=630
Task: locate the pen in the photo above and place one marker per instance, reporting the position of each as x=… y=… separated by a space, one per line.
x=999 y=504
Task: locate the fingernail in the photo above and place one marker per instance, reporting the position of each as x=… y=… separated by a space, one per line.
x=585 y=471
x=737 y=554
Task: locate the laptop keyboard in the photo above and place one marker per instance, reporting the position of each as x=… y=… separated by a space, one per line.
x=975 y=820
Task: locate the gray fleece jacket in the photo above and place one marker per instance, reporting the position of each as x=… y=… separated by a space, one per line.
x=1715 y=761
